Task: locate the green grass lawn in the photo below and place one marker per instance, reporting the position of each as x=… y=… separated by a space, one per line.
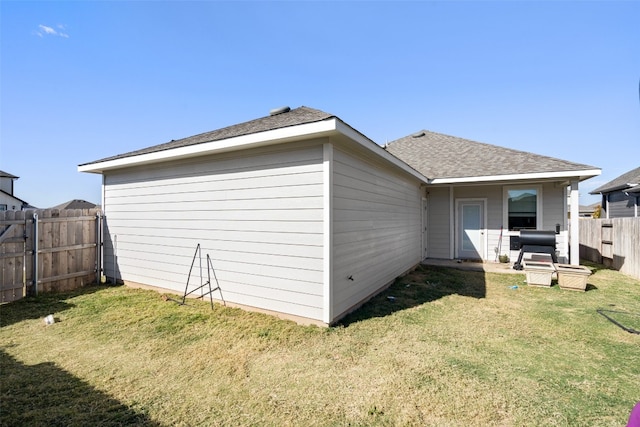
x=450 y=348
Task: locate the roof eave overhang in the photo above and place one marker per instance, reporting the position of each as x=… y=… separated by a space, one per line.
x=620 y=187
x=243 y=142
x=329 y=127
x=580 y=174
x=634 y=189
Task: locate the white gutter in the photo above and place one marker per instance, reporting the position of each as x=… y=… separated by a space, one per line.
x=260 y=139
x=253 y=140
x=538 y=175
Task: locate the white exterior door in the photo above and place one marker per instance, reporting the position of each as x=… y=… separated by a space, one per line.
x=470 y=241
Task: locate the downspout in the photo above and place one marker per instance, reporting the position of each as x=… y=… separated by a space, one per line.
x=574 y=248
x=566 y=222
x=327 y=233
x=114 y=256
x=452 y=225
x=98 y=247
x=24 y=260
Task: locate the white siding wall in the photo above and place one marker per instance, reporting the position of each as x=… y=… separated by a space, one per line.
x=553 y=200
x=554 y=203
x=258 y=214
x=439 y=218
x=377 y=228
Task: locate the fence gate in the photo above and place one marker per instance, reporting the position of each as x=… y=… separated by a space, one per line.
x=614 y=242
x=48 y=250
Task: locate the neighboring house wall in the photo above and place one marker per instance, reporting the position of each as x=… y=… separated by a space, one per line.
x=377 y=227
x=621 y=205
x=6 y=184
x=10 y=203
x=258 y=213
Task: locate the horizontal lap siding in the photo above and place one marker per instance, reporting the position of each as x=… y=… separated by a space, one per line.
x=376 y=228
x=554 y=202
x=621 y=205
x=257 y=214
x=553 y=199
x=438 y=222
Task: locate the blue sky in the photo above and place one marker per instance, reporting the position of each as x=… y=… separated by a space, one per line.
x=83 y=80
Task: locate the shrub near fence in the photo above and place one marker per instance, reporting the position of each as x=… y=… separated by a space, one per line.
x=612 y=242
x=65 y=255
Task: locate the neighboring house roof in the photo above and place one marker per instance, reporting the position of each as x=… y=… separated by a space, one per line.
x=293 y=117
x=629 y=180
x=4 y=174
x=635 y=189
x=75 y=204
x=448 y=158
x=588 y=209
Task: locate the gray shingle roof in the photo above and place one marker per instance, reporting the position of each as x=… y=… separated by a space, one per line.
x=297 y=116
x=621 y=182
x=442 y=156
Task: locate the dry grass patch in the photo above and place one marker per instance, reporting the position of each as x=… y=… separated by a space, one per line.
x=451 y=348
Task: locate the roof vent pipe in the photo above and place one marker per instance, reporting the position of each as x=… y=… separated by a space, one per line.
x=280 y=110
x=418 y=134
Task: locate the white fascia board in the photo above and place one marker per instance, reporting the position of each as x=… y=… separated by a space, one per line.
x=275 y=136
x=365 y=142
x=583 y=174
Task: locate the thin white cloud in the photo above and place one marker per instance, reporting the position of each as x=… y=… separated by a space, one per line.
x=47 y=30
x=44 y=30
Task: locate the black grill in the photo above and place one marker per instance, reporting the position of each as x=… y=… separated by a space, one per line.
x=537 y=242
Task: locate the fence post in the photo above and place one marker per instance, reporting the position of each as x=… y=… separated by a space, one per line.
x=35 y=253
x=24 y=259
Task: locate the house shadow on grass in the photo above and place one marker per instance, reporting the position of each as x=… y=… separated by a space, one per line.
x=45 y=395
x=38 y=307
x=425 y=284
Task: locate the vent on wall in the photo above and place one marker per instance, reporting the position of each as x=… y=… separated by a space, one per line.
x=279 y=110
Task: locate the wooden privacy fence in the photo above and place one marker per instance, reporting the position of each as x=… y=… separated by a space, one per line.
x=48 y=250
x=612 y=242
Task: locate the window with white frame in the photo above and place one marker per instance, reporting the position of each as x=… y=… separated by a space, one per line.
x=523 y=207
